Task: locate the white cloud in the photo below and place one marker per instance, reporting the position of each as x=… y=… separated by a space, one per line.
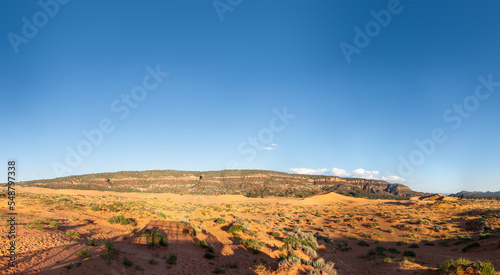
x=358 y=173
x=270 y=148
x=394 y=178
x=308 y=171
x=340 y=172
x=362 y=173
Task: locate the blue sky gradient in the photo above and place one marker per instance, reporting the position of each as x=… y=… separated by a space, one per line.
x=231 y=79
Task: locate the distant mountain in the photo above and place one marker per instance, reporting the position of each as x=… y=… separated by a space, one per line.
x=478 y=194
x=250 y=183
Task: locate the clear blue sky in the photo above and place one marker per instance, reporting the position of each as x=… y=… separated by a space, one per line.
x=233 y=70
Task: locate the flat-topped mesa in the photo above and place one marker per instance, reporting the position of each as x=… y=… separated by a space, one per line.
x=250 y=183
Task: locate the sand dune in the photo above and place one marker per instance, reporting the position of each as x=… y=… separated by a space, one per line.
x=339 y=223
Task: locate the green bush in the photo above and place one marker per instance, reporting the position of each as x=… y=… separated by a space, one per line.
x=219 y=270
x=437 y=228
x=236 y=228
x=36 y=224
x=363 y=243
x=252 y=244
x=468 y=247
x=153 y=261
x=452 y=266
x=408 y=253
x=127 y=263
x=297 y=243
x=54 y=225
x=203 y=244
x=209 y=255
x=121 y=220
x=154 y=237
x=92 y=242
x=110 y=252
x=172 y=259
x=393 y=250
x=220 y=221
x=84 y=253
x=70 y=233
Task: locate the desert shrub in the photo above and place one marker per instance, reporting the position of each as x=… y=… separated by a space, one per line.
x=276 y=234
x=154 y=237
x=36 y=224
x=203 y=244
x=235 y=228
x=121 y=220
x=408 y=253
x=468 y=247
x=153 y=262
x=219 y=270
x=54 y=225
x=252 y=244
x=424 y=222
x=296 y=243
x=309 y=251
x=443 y=243
x=390 y=230
x=70 y=233
x=209 y=255
x=289 y=262
x=351 y=237
x=92 y=242
x=84 y=253
x=373 y=225
x=220 y=221
x=127 y=263
x=109 y=252
x=453 y=266
x=322 y=267
x=172 y=259
x=485 y=236
x=363 y=243
x=437 y=228
x=393 y=250
x=414 y=245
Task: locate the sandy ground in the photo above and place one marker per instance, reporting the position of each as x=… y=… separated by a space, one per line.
x=343 y=220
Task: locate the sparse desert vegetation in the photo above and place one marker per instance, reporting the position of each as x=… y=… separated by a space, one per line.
x=93 y=231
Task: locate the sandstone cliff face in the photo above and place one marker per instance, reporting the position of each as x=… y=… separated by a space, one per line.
x=252 y=183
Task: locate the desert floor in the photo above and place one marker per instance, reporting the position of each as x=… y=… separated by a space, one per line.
x=68 y=232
